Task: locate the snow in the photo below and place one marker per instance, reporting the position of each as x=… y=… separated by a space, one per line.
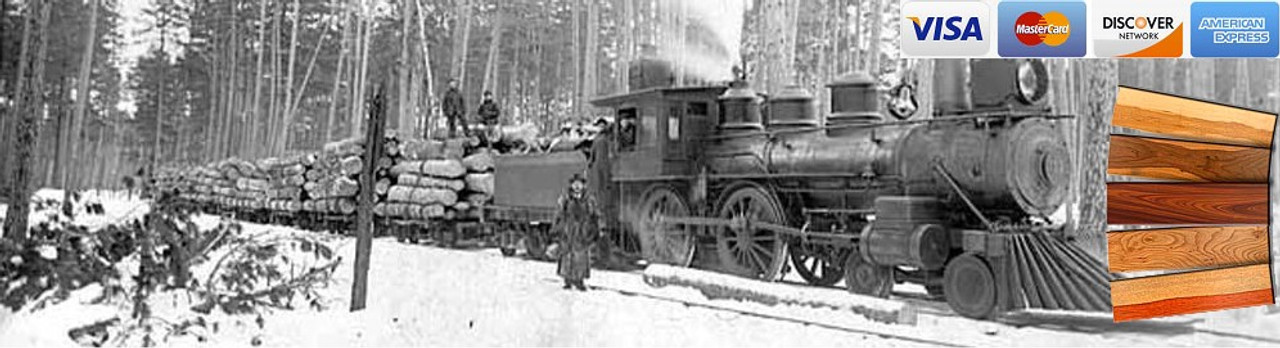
x=118 y=207
x=428 y=296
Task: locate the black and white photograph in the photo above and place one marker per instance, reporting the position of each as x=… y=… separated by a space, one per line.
x=667 y=173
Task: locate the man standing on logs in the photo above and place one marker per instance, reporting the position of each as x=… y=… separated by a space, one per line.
x=577 y=225
x=455 y=110
x=489 y=113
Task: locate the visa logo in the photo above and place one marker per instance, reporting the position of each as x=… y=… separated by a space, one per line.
x=933 y=28
x=957 y=29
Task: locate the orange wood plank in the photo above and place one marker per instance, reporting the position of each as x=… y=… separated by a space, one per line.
x=1186 y=203
x=1186 y=248
x=1191 y=292
x=1192 y=119
x=1190 y=305
x=1186 y=160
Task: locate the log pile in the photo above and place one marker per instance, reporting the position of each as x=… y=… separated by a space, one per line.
x=438 y=179
x=416 y=179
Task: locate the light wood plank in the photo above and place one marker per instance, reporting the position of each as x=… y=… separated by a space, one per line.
x=1193 y=119
x=1186 y=203
x=1191 y=292
x=1186 y=160
x=1186 y=248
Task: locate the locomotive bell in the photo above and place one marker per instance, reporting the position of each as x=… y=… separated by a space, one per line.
x=739 y=108
x=855 y=99
x=792 y=108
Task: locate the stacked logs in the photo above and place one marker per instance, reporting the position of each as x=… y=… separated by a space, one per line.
x=437 y=179
x=330 y=181
x=415 y=179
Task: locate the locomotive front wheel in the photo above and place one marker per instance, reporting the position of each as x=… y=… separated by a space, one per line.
x=970 y=286
x=660 y=242
x=865 y=278
x=747 y=251
x=818 y=265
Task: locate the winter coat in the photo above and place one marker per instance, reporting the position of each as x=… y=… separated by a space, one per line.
x=489 y=112
x=453 y=104
x=577 y=225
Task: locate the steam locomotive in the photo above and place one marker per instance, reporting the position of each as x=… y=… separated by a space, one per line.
x=726 y=178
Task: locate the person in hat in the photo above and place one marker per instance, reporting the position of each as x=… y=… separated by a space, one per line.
x=577 y=226
x=489 y=113
x=454 y=109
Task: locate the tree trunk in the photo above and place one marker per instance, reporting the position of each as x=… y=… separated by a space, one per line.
x=289 y=87
x=155 y=145
x=253 y=129
x=591 y=53
x=495 y=47
x=1096 y=126
x=428 y=75
x=460 y=47
x=404 y=123
x=26 y=131
x=273 y=108
x=82 y=93
x=334 y=94
x=575 y=56
x=357 y=116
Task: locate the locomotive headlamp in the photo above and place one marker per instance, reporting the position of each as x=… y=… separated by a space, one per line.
x=1033 y=81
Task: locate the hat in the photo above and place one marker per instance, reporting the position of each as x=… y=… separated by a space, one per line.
x=577 y=177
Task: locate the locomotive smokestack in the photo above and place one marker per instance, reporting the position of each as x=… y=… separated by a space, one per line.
x=855 y=99
x=739 y=109
x=793 y=107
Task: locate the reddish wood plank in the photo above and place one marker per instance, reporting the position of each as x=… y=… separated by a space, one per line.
x=1186 y=160
x=1192 y=305
x=1186 y=248
x=1191 y=292
x=1193 y=119
x=1186 y=203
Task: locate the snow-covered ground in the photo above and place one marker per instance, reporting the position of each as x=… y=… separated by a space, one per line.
x=421 y=295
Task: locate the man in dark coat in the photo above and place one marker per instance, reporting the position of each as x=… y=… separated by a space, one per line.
x=489 y=113
x=578 y=226
x=455 y=110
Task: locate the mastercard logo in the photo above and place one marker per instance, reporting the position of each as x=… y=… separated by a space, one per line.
x=1051 y=28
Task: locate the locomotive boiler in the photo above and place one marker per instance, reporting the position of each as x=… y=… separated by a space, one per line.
x=729 y=179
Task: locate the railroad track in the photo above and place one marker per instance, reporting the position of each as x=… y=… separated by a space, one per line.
x=927 y=306
x=767 y=316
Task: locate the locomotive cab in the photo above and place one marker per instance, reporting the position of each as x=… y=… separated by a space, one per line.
x=655 y=127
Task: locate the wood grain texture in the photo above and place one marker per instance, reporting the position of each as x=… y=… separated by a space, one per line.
x=1186 y=203
x=1191 y=292
x=1186 y=160
x=1186 y=248
x=1193 y=119
x=1192 y=305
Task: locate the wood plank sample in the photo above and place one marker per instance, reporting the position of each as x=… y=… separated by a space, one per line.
x=1191 y=292
x=1192 y=119
x=1186 y=160
x=1186 y=248
x=1186 y=203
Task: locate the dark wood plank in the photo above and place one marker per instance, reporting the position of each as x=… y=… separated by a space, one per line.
x=1186 y=203
x=1192 y=119
x=1183 y=293
x=1186 y=160
x=1186 y=248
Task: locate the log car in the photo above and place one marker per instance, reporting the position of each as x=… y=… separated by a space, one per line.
x=719 y=177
